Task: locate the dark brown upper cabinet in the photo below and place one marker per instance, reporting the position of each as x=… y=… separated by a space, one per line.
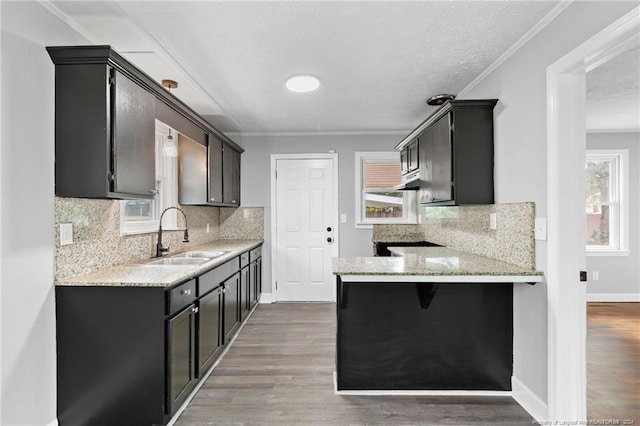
x=230 y=175
x=215 y=170
x=105 y=112
x=455 y=153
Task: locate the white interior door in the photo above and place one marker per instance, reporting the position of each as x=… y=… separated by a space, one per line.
x=305 y=235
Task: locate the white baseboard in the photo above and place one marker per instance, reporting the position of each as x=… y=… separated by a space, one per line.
x=53 y=422
x=613 y=297
x=266 y=298
x=529 y=400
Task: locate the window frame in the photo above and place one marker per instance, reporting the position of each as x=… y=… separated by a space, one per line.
x=166 y=187
x=618 y=202
x=409 y=205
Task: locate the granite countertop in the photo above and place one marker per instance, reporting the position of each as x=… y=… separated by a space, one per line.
x=428 y=261
x=140 y=275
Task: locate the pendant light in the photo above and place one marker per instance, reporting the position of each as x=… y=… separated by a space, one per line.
x=169 y=148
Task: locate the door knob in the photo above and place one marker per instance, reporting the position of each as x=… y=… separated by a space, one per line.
x=329 y=239
x=329 y=229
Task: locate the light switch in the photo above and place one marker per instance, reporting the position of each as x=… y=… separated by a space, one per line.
x=208 y=228
x=493 y=221
x=541 y=229
x=66 y=234
x=343 y=218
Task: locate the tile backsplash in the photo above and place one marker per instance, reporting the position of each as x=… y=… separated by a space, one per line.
x=466 y=228
x=245 y=223
x=98 y=243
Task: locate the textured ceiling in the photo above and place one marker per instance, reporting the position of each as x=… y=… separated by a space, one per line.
x=377 y=61
x=613 y=93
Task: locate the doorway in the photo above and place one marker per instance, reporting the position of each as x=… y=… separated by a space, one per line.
x=304 y=199
x=566 y=142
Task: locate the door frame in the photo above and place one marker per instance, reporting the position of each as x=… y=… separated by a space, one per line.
x=274 y=211
x=566 y=251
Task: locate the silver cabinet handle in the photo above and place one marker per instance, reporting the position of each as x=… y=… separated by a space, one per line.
x=185 y=292
x=194 y=310
x=212 y=199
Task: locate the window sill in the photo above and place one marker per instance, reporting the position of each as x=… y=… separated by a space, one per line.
x=616 y=253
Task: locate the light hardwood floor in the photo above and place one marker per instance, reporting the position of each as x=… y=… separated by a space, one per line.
x=613 y=362
x=279 y=371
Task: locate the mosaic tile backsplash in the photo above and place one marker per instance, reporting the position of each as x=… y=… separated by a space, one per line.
x=98 y=243
x=466 y=228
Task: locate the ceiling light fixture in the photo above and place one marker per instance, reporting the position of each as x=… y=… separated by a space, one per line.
x=169 y=148
x=169 y=84
x=440 y=99
x=302 y=83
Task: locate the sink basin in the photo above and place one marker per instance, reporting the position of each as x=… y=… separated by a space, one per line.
x=193 y=254
x=179 y=261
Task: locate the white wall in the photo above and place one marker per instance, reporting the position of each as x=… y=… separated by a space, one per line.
x=256 y=190
x=620 y=275
x=28 y=375
x=521 y=157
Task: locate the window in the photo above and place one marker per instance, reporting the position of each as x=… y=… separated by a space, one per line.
x=376 y=201
x=141 y=216
x=606 y=201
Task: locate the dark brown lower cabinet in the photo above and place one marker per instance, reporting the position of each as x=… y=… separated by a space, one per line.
x=180 y=357
x=246 y=292
x=208 y=326
x=132 y=355
x=231 y=296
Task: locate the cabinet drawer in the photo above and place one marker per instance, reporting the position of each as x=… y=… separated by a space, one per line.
x=181 y=296
x=255 y=253
x=212 y=279
x=244 y=259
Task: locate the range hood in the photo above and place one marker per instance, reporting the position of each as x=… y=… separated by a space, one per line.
x=410 y=182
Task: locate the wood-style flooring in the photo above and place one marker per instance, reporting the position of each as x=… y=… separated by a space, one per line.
x=279 y=371
x=613 y=362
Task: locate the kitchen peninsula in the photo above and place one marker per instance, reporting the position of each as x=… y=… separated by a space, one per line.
x=428 y=318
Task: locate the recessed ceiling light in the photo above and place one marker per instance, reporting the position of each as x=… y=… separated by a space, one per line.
x=301 y=83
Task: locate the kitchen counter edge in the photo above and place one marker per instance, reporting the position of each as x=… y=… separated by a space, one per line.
x=139 y=274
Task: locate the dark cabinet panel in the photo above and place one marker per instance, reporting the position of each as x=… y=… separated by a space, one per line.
x=215 y=169
x=180 y=356
x=436 y=178
x=133 y=121
x=230 y=176
x=412 y=156
x=246 y=290
x=231 y=306
x=257 y=282
x=208 y=324
x=192 y=171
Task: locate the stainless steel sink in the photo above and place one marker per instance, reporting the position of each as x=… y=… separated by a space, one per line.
x=179 y=261
x=192 y=254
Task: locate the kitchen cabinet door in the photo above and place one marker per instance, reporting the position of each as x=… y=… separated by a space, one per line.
x=245 y=287
x=230 y=176
x=192 y=172
x=133 y=137
x=215 y=170
x=436 y=182
x=231 y=306
x=180 y=357
x=208 y=326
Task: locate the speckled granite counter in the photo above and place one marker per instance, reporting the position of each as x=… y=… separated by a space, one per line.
x=431 y=264
x=141 y=275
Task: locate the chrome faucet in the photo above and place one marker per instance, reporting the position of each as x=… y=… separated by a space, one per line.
x=160 y=249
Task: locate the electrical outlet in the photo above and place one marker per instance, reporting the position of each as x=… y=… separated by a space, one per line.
x=208 y=228
x=343 y=218
x=66 y=234
x=493 y=221
x=595 y=275
x=540 y=230
x=245 y=214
